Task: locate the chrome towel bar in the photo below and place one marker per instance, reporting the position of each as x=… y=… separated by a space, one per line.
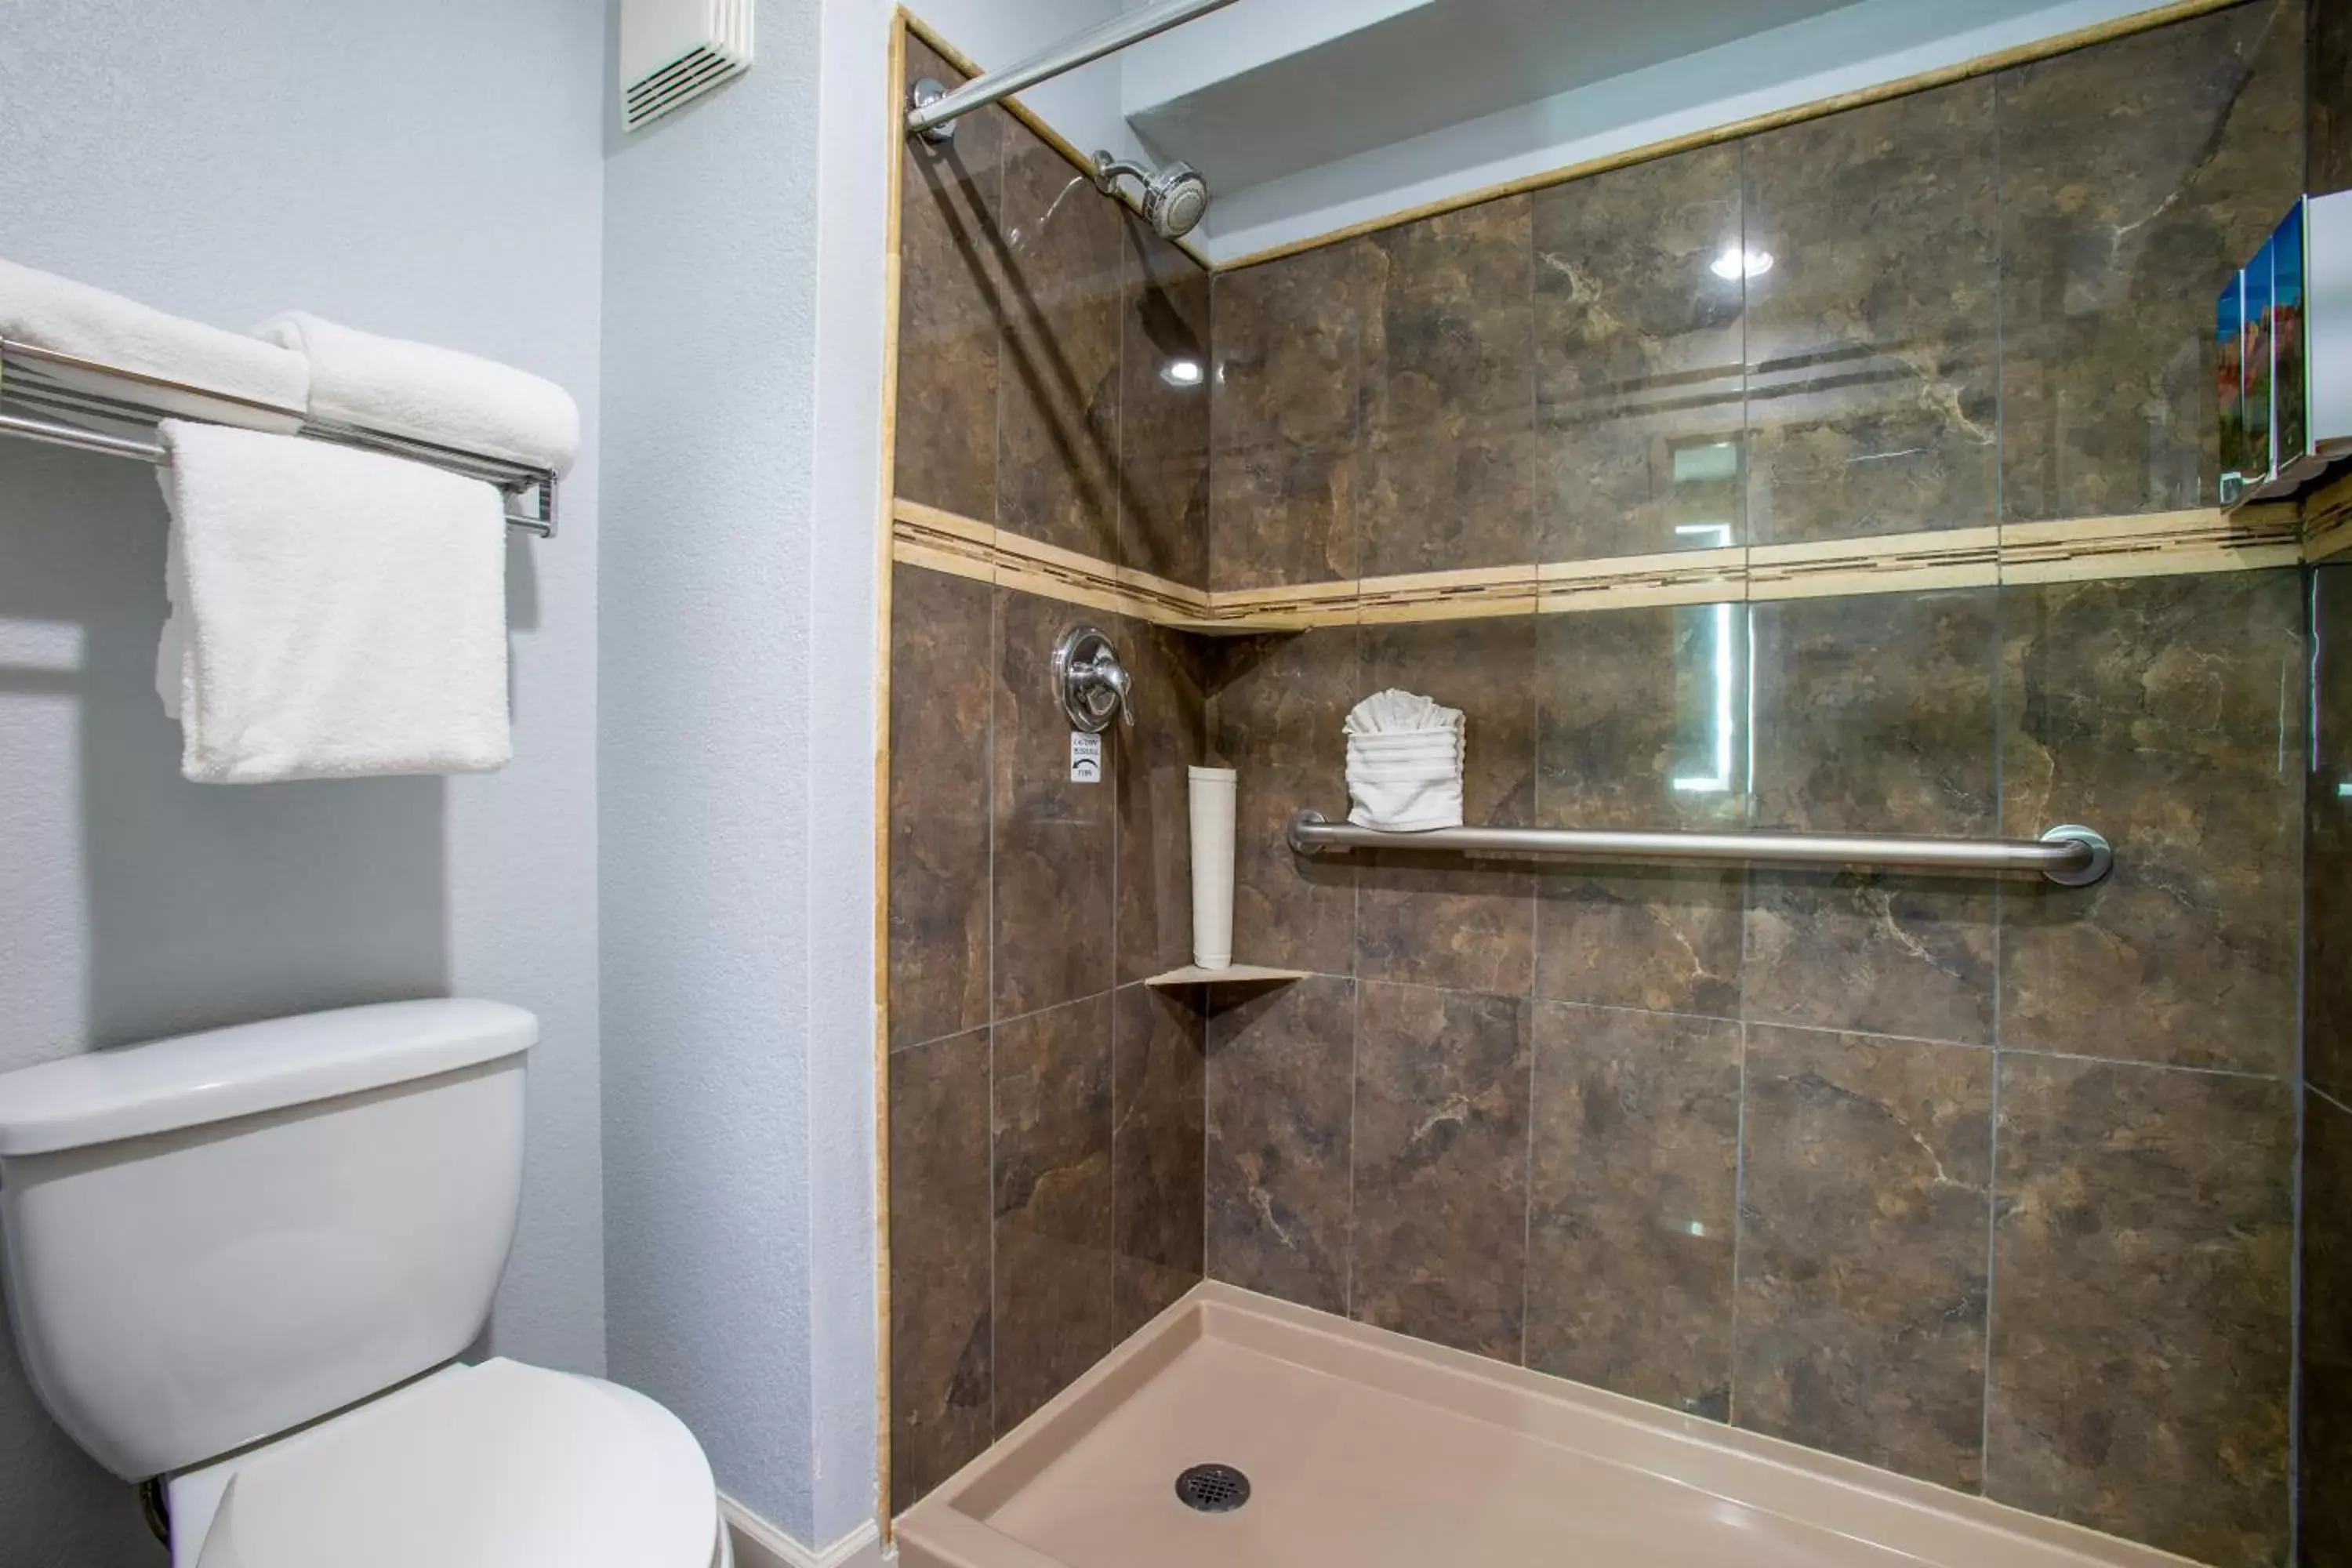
x=2071 y=856
x=61 y=401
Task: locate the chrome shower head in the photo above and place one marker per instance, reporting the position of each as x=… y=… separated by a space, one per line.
x=1174 y=198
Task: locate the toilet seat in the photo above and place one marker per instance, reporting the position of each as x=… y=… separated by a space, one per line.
x=495 y=1466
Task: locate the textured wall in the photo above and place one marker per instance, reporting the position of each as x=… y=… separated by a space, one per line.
x=1044 y=1105
x=387 y=166
x=736 y=627
x=1986 y=1183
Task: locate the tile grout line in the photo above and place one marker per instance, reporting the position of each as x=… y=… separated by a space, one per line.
x=2001 y=604
x=996 y=680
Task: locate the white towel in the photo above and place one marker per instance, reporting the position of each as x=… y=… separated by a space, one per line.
x=428 y=393
x=336 y=613
x=1404 y=764
x=47 y=311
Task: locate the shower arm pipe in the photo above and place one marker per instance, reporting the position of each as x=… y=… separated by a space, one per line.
x=933 y=117
x=2070 y=856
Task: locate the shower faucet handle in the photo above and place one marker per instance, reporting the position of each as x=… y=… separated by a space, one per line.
x=1091 y=682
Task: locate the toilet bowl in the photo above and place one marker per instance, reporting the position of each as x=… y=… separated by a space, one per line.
x=243 y=1263
x=500 y=1464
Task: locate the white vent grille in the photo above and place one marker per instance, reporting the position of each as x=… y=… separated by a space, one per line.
x=674 y=51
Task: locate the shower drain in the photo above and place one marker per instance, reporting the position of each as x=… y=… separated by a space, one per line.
x=1212 y=1489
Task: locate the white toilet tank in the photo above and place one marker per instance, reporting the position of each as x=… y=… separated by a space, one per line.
x=213 y=1238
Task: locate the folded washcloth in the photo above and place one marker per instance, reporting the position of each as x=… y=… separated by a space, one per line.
x=269 y=385
x=335 y=613
x=428 y=393
x=1404 y=764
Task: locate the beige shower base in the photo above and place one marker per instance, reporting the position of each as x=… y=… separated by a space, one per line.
x=1368 y=1450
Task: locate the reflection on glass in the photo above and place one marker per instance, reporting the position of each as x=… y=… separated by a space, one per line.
x=1708 y=677
x=1736 y=263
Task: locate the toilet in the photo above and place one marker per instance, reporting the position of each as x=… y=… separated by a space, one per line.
x=245 y=1262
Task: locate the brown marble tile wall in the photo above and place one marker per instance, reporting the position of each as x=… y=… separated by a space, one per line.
x=2328 y=120
x=2170 y=712
x=1277 y=705
x=951 y=306
x=1853 y=734
x=1287 y=419
x=2328 y=842
x=1280 y=1157
x=2135 y=178
x=942 y=1362
x=1988 y=302
x=1448 y=351
x=1617 y=694
x=1873 y=355
x=1633 y=1174
x=2326 y=1347
x=2140 y=1335
x=1047 y=1109
x=1440 y=1143
x=1987 y=1185
x=1864 y=1212
x=1832 y=1048
x=1639 y=355
x=1054 y=353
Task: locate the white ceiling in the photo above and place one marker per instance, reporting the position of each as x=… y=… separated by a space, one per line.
x=1308 y=116
x=1253 y=98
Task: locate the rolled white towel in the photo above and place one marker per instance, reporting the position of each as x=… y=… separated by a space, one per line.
x=1405 y=759
x=429 y=394
x=266 y=386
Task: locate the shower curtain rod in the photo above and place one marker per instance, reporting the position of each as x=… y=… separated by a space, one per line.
x=2070 y=856
x=933 y=110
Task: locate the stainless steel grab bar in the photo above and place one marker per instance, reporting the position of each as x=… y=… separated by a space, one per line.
x=2070 y=856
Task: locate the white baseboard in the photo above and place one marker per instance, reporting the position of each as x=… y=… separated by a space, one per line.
x=759 y=1545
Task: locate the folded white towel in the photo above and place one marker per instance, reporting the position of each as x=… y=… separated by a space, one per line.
x=428 y=393
x=1404 y=764
x=47 y=311
x=335 y=613
x=1442 y=745
x=1394 y=711
x=1408 y=806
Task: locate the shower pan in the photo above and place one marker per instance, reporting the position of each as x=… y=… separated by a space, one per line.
x=1246 y=1432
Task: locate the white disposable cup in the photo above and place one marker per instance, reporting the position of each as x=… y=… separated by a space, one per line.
x=1212 y=798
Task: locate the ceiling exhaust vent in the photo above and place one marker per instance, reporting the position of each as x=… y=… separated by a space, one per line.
x=674 y=51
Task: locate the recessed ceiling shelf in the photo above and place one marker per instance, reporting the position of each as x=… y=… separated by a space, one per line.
x=1232 y=974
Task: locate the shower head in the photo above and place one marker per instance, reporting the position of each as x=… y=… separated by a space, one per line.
x=1174 y=198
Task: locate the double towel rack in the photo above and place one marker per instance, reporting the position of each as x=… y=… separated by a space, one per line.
x=2070 y=856
x=63 y=401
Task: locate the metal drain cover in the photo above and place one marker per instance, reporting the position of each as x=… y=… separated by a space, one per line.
x=1212 y=1489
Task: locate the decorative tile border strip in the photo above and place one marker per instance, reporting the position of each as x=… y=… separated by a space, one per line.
x=2156 y=544
x=2159 y=545
x=1888 y=563
x=2327 y=520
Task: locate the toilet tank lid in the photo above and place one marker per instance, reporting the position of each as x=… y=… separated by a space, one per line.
x=189 y=1080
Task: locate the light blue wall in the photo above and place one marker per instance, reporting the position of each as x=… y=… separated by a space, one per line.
x=737 y=661
x=431 y=169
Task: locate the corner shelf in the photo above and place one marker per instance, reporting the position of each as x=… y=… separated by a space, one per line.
x=1232 y=974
